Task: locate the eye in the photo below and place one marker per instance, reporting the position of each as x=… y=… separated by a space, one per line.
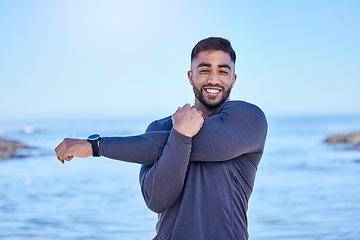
x=224 y=72
x=204 y=70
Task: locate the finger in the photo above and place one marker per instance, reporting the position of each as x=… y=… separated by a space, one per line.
x=63 y=152
x=57 y=148
x=194 y=110
x=60 y=148
x=66 y=155
x=186 y=106
x=68 y=158
x=177 y=110
x=62 y=161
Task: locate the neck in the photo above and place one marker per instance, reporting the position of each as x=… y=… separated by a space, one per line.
x=206 y=112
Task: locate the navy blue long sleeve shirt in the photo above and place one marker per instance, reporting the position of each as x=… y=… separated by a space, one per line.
x=200 y=186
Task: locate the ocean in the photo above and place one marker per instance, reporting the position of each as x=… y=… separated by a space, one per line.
x=304 y=189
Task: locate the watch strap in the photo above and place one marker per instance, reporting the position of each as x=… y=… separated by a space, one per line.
x=94 y=139
x=95 y=147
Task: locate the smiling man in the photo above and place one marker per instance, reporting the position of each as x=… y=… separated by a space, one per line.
x=198 y=165
x=212 y=76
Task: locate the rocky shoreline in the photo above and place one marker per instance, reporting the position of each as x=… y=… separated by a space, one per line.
x=352 y=138
x=8 y=148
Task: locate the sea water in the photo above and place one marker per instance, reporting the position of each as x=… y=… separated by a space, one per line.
x=304 y=188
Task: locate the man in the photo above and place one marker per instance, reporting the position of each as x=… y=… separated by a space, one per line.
x=198 y=165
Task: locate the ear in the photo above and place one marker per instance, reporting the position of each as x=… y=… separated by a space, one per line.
x=191 y=77
x=234 y=79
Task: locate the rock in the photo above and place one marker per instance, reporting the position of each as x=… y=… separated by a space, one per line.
x=8 y=148
x=353 y=138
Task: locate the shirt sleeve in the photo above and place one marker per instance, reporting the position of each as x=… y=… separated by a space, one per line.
x=162 y=182
x=238 y=128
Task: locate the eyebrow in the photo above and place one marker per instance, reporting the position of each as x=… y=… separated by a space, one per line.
x=209 y=65
x=224 y=66
x=204 y=65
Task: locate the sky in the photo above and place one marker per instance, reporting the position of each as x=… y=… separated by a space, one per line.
x=76 y=59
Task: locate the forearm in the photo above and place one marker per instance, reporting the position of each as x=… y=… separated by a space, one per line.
x=162 y=183
x=143 y=149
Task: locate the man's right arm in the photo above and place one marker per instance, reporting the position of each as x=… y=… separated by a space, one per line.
x=162 y=182
x=165 y=156
x=234 y=131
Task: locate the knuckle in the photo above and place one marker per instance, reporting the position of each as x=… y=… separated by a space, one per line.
x=68 y=145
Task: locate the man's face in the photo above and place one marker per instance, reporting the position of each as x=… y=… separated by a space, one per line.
x=212 y=77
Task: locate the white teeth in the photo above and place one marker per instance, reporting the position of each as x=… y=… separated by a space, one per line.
x=212 y=90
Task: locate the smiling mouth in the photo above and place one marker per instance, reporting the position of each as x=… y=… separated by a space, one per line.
x=213 y=90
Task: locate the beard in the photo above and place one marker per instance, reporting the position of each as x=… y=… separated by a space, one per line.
x=211 y=103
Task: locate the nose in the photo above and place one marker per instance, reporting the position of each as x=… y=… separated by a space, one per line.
x=214 y=78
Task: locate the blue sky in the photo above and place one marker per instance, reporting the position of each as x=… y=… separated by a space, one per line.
x=116 y=59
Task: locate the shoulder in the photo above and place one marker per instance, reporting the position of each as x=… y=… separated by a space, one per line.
x=243 y=111
x=242 y=107
x=163 y=124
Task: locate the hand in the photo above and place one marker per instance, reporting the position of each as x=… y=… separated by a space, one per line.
x=70 y=148
x=187 y=120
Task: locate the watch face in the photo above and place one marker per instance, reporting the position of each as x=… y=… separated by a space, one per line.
x=94 y=137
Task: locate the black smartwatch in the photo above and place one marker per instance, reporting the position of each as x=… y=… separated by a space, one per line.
x=94 y=139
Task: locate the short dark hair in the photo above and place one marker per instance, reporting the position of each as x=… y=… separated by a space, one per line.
x=213 y=43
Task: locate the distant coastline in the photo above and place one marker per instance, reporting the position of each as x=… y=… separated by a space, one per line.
x=351 y=138
x=8 y=148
